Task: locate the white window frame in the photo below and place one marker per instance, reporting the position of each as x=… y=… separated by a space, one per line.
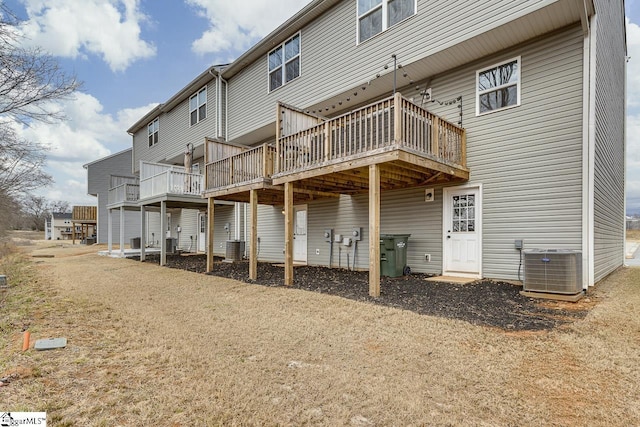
x=155 y=134
x=385 y=18
x=283 y=66
x=518 y=60
x=198 y=105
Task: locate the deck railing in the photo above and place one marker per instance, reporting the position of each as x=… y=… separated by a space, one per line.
x=370 y=129
x=124 y=193
x=171 y=182
x=241 y=168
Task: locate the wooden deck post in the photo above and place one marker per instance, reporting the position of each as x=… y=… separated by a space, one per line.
x=435 y=136
x=143 y=227
x=73 y=233
x=277 y=165
x=327 y=140
x=397 y=121
x=253 y=238
x=110 y=228
x=374 y=230
x=288 y=233
x=163 y=233
x=210 y=230
x=463 y=148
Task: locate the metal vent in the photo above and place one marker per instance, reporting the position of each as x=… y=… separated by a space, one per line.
x=553 y=270
x=235 y=250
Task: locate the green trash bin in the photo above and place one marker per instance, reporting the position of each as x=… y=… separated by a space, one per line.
x=393 y=255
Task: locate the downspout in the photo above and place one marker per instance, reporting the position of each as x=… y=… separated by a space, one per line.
x=588 y=152
x=592 y=146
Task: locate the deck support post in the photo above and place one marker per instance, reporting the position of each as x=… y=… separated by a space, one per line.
x=143 y=237
x=253 y=238
x=374 y=230
x=121 y=230
x=73 y=233
x=163 y=233
x=110 y=228
x=210 y=230
x=288 y=233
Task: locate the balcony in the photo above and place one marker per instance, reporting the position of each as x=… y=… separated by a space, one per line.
x=232 y=178
x=412 y=146
x=160 y=180
x=124 y=195
x=327 y=157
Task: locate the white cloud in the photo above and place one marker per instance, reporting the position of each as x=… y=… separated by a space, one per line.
x=235 y=28
x=77 y=28
x=87 y=135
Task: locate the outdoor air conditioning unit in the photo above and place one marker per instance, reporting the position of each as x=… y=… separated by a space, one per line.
x=556 y=271
x=235 y=251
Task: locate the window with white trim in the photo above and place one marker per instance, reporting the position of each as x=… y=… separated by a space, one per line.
x=498 y=87
x=375 y=16
x=152 y=130
x=198 y=106
x=284 y=63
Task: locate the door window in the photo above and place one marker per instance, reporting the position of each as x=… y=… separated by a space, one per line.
x=464 y=213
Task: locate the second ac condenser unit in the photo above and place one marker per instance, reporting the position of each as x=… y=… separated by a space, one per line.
x=553 y=271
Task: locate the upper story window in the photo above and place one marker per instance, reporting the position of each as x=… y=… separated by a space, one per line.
x=284 y=63
x=198 y=106
x=498 y=87
x=152 y=131
x=375 y=16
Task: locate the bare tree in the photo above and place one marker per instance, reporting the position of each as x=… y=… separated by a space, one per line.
x=30 y=79
x=21 y=164
x=30 y=83
x=36 y=209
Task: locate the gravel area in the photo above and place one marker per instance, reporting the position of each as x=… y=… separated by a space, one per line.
x=484 y=302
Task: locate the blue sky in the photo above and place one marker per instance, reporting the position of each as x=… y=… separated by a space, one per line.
x=133 y=54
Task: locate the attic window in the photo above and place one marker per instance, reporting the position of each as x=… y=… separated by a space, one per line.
x=198 y=106
x=498 y=87
x=284 y=63
x=152 y=129
x=375 y=16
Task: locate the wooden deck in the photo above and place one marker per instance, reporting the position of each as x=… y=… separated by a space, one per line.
x=412 y=146
x=328 y=157
x=388 y=145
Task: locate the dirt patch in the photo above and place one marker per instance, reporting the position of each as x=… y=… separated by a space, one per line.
x=485 y=302
x=158 y=346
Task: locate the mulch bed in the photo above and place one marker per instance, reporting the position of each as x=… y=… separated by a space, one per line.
x=484 y=302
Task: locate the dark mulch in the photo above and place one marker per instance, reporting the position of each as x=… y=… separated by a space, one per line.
x=486 y=302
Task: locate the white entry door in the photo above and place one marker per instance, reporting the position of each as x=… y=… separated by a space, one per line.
x=300 y=233
x=462 y=232
x=202 y=232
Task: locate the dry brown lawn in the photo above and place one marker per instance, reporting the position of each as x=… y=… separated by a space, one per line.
x=156 y=346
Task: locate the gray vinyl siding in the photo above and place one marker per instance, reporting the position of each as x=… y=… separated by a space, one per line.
x=223 y=214
x=528 y=160
x=188 y=222
x=608 y=194
x=98 y=182
x=271 y=233
x=153 y=229
x=331 y=61
x=175 y=131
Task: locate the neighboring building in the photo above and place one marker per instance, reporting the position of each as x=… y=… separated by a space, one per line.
x=107 y=173
x=59 y=226
x=510 y=115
